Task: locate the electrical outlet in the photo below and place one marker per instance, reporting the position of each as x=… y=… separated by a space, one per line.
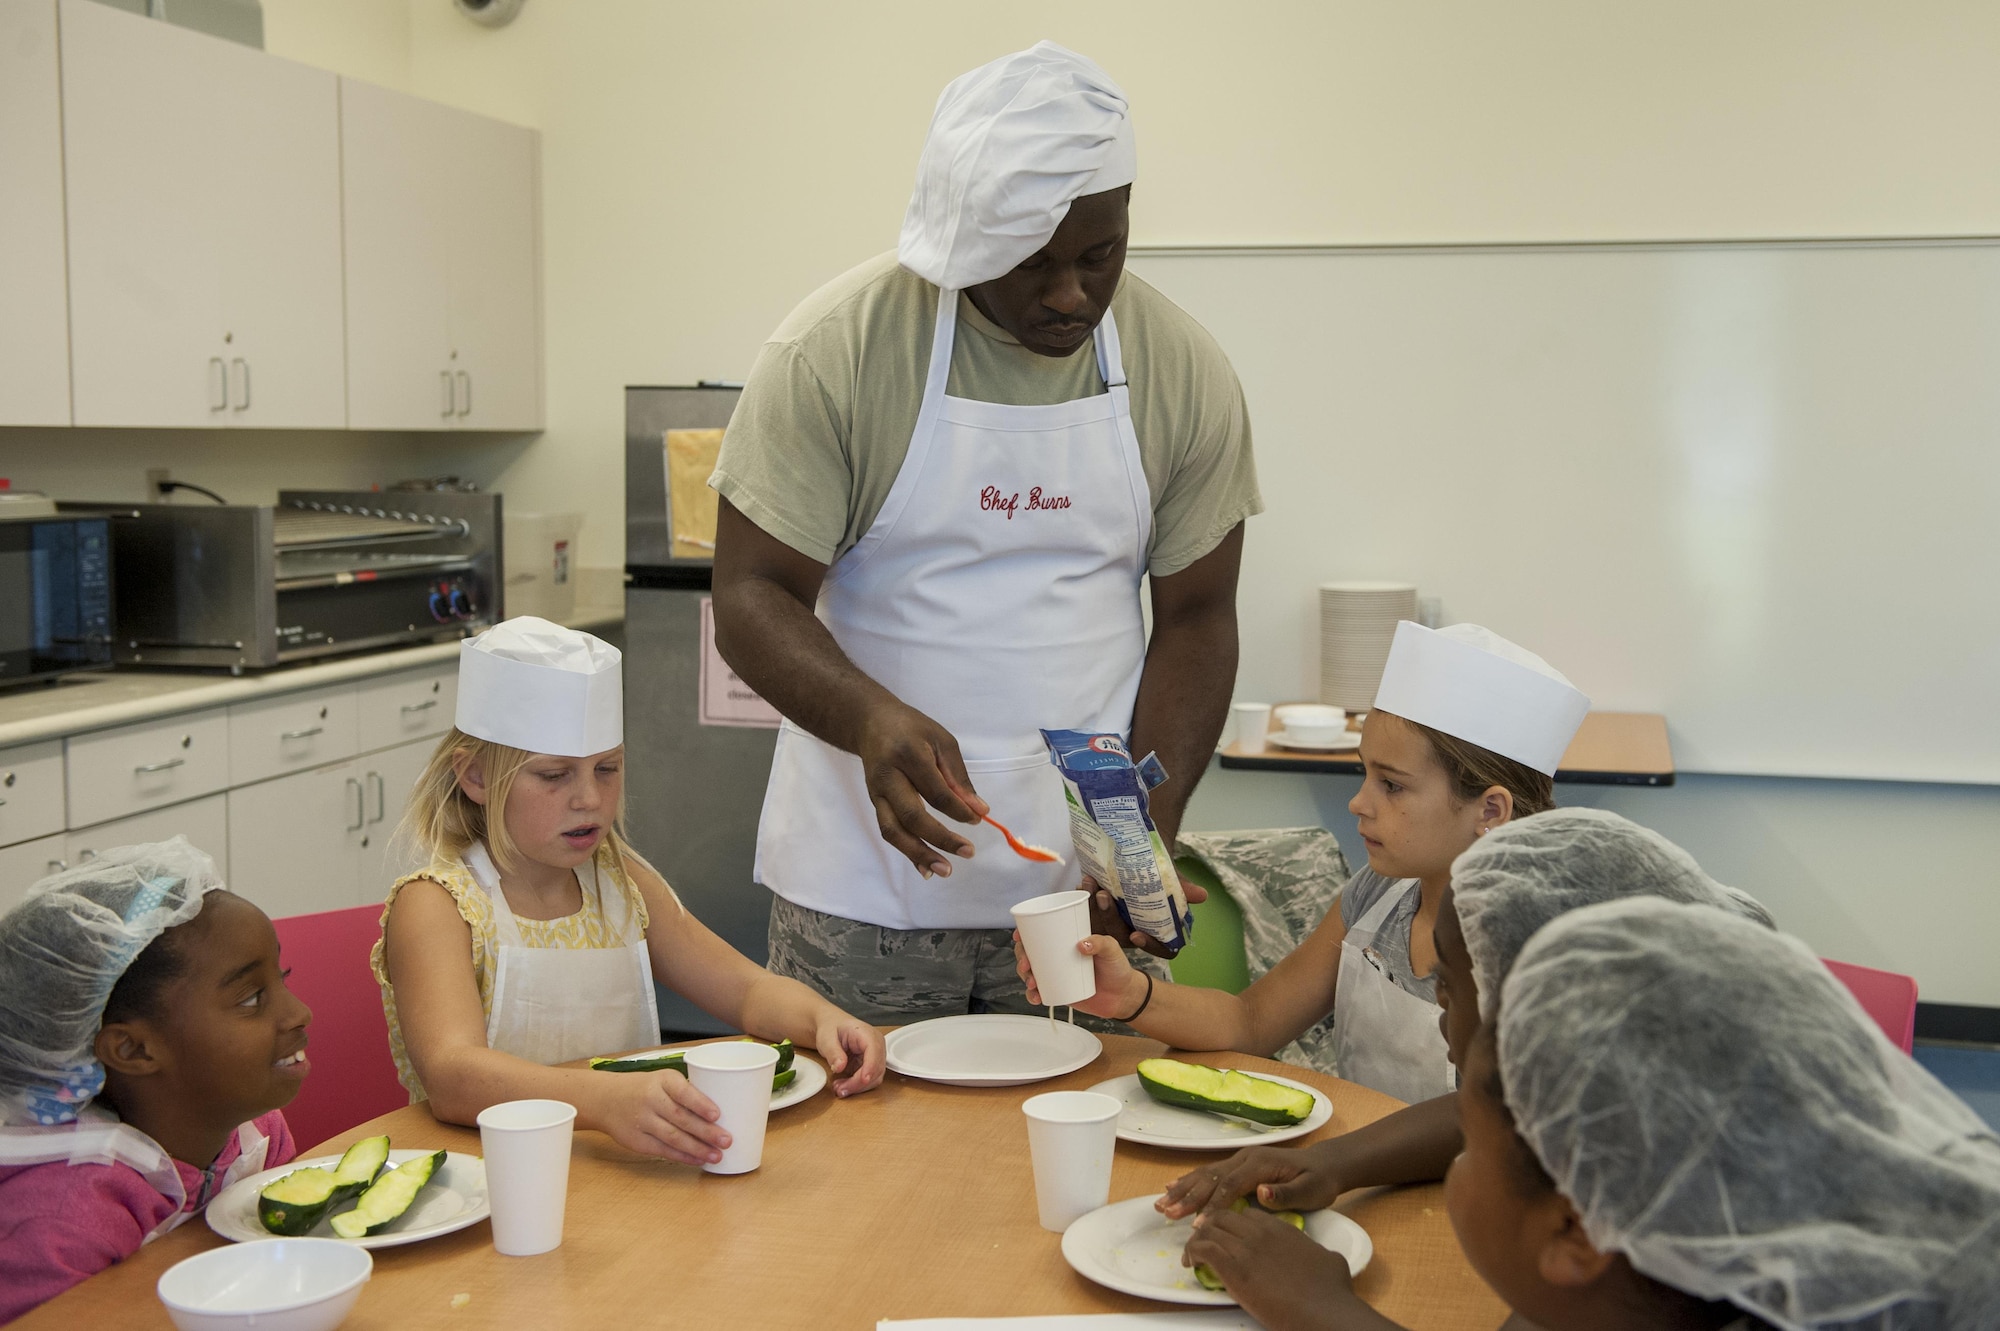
x=156 y=485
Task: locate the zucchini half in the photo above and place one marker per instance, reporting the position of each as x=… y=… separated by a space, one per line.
x=1238 y=1094
x=1205 y=1274
x=781 y=1076
x=295 y=1204
x=388 y=1196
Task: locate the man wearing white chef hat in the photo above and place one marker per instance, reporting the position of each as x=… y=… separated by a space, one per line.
x=966 y=456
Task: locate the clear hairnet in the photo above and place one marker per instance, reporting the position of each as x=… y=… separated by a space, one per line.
x=1523 y=874
x=1719 y=1109
x=61 y=951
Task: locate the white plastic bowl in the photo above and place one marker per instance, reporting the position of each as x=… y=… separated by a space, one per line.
x=271 y=1285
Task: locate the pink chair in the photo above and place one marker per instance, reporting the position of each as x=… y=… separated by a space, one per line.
x=353 y=1079
x=1889 y=998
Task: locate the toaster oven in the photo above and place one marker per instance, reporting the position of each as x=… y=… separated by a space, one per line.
x=317 y=574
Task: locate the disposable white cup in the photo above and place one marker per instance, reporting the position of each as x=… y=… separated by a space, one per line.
x=1071 y=1137
x=526 y=1143
x=1051 y=927
x=736 y=1074
x=1253 y=725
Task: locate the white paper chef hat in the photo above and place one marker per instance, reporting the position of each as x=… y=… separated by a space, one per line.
x=533 y=685
x=1474 y=685
x=1011 y=145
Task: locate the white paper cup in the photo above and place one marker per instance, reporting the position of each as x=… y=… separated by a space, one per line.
x=527 y=1172
x=1071 y=1137
x=1051 y=927
x=1253 y=725
x=736 y=1074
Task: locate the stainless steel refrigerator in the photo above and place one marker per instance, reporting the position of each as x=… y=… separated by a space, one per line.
x=693 y=788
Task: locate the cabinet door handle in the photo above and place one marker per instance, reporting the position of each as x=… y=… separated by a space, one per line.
x=166 y=766
x=302 y=734
x=360 y=814
x=218 y=384
x=447 y=400
x=465 y=382
x=381 y=796
x=85 y=856
x=423 y=706
x=57 y=866
x=242 y=367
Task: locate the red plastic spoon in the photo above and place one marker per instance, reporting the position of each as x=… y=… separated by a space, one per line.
x=1039 y=854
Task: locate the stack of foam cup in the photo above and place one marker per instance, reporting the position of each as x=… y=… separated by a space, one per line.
x=1357 y=623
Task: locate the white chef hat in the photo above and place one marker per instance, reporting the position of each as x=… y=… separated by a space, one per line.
x=1474 y=685
x=533 y=685
x=1011 y=144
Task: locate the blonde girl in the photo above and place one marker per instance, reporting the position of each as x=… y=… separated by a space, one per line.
x=535 y=933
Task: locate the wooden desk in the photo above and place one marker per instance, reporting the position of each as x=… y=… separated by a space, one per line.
x=914 y=1200
x=1610 y=749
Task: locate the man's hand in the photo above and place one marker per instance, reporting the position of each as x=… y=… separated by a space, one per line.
x=1105 y=919
x=912 y=766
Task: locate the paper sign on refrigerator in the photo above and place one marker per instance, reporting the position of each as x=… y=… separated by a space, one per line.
x=725 y=699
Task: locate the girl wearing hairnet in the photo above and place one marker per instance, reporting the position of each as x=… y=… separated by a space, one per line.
x=147 y=1045
x=1466 y=735
x=1678 y=1119
x=1503 y=890
x=535 y=933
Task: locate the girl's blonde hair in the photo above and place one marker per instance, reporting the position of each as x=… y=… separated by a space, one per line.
x=442 y=821
x=1473 y=771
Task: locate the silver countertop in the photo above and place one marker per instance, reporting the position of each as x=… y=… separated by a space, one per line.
x=100 y=699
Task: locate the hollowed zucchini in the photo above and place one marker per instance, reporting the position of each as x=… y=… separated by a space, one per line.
x=295 y=1204
x=388 y=1196
x=1206 y=1274
x=781 y=1076
x=1238 y=1094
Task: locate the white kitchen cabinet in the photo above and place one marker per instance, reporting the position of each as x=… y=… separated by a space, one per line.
x=388 y=778
x=204 y=822
x=277 y=735
x=411 y=705
x=34 y=330
x=21 y=866
x=203 y=193
x=294 y=843
x=442 y=224
x=112 y=773
x=31 y=791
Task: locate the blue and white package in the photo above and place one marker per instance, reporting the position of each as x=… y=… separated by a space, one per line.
x=1116 y=841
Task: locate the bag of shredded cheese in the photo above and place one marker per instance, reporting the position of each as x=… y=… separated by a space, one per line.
x=1116 y=841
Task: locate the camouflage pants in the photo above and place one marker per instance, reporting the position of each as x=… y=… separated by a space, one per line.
x=895 y=976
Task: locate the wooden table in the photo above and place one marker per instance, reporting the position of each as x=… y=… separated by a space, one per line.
x=914 y=1200
x=1610 y=749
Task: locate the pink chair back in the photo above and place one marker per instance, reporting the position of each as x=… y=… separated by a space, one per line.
x=353 y=1079
x=1889 y=998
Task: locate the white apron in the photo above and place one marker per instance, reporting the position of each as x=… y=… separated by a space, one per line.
x=554 y=1004
x=998 y=593
x=98 y=1138
x=1386 y=1038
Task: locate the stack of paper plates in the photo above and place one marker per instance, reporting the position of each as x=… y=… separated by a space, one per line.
x=1357 y=622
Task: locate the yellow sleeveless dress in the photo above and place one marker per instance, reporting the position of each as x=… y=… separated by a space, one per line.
x=587 y=928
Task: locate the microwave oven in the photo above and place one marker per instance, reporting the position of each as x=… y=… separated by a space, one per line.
x=55 y=596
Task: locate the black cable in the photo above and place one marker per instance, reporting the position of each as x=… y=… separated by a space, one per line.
x=168 y=487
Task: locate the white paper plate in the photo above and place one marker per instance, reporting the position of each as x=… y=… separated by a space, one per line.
x=1351 y=740
x=454 y=1198
x=1149 y=1123
x=990 y=1049
x=1130 y=1247
x=810 y=1081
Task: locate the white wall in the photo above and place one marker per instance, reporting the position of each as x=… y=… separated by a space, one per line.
x=706 y=165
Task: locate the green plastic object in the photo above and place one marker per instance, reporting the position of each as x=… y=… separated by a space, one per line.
x=1214 y=957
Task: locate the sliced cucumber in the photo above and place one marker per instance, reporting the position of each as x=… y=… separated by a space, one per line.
x=388 y=1197
x=295 y=1204
x=1238 y=1094
x=1206 y=1274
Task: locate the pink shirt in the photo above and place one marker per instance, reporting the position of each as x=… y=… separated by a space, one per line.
x=62 y=1223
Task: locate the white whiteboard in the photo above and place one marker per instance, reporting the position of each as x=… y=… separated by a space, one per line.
x=1753 y=487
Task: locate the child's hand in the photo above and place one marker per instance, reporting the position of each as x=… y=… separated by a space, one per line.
x=842 y=1040
x=1281 y=1179
x=660 y=1113
x=1281 y=1277
x=1120 y=988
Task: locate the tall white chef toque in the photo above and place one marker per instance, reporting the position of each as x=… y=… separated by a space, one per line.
x=1474 y=685
x=533 y=685
x=1011 y=145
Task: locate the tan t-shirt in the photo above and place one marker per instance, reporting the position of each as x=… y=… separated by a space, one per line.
x=826 y=417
